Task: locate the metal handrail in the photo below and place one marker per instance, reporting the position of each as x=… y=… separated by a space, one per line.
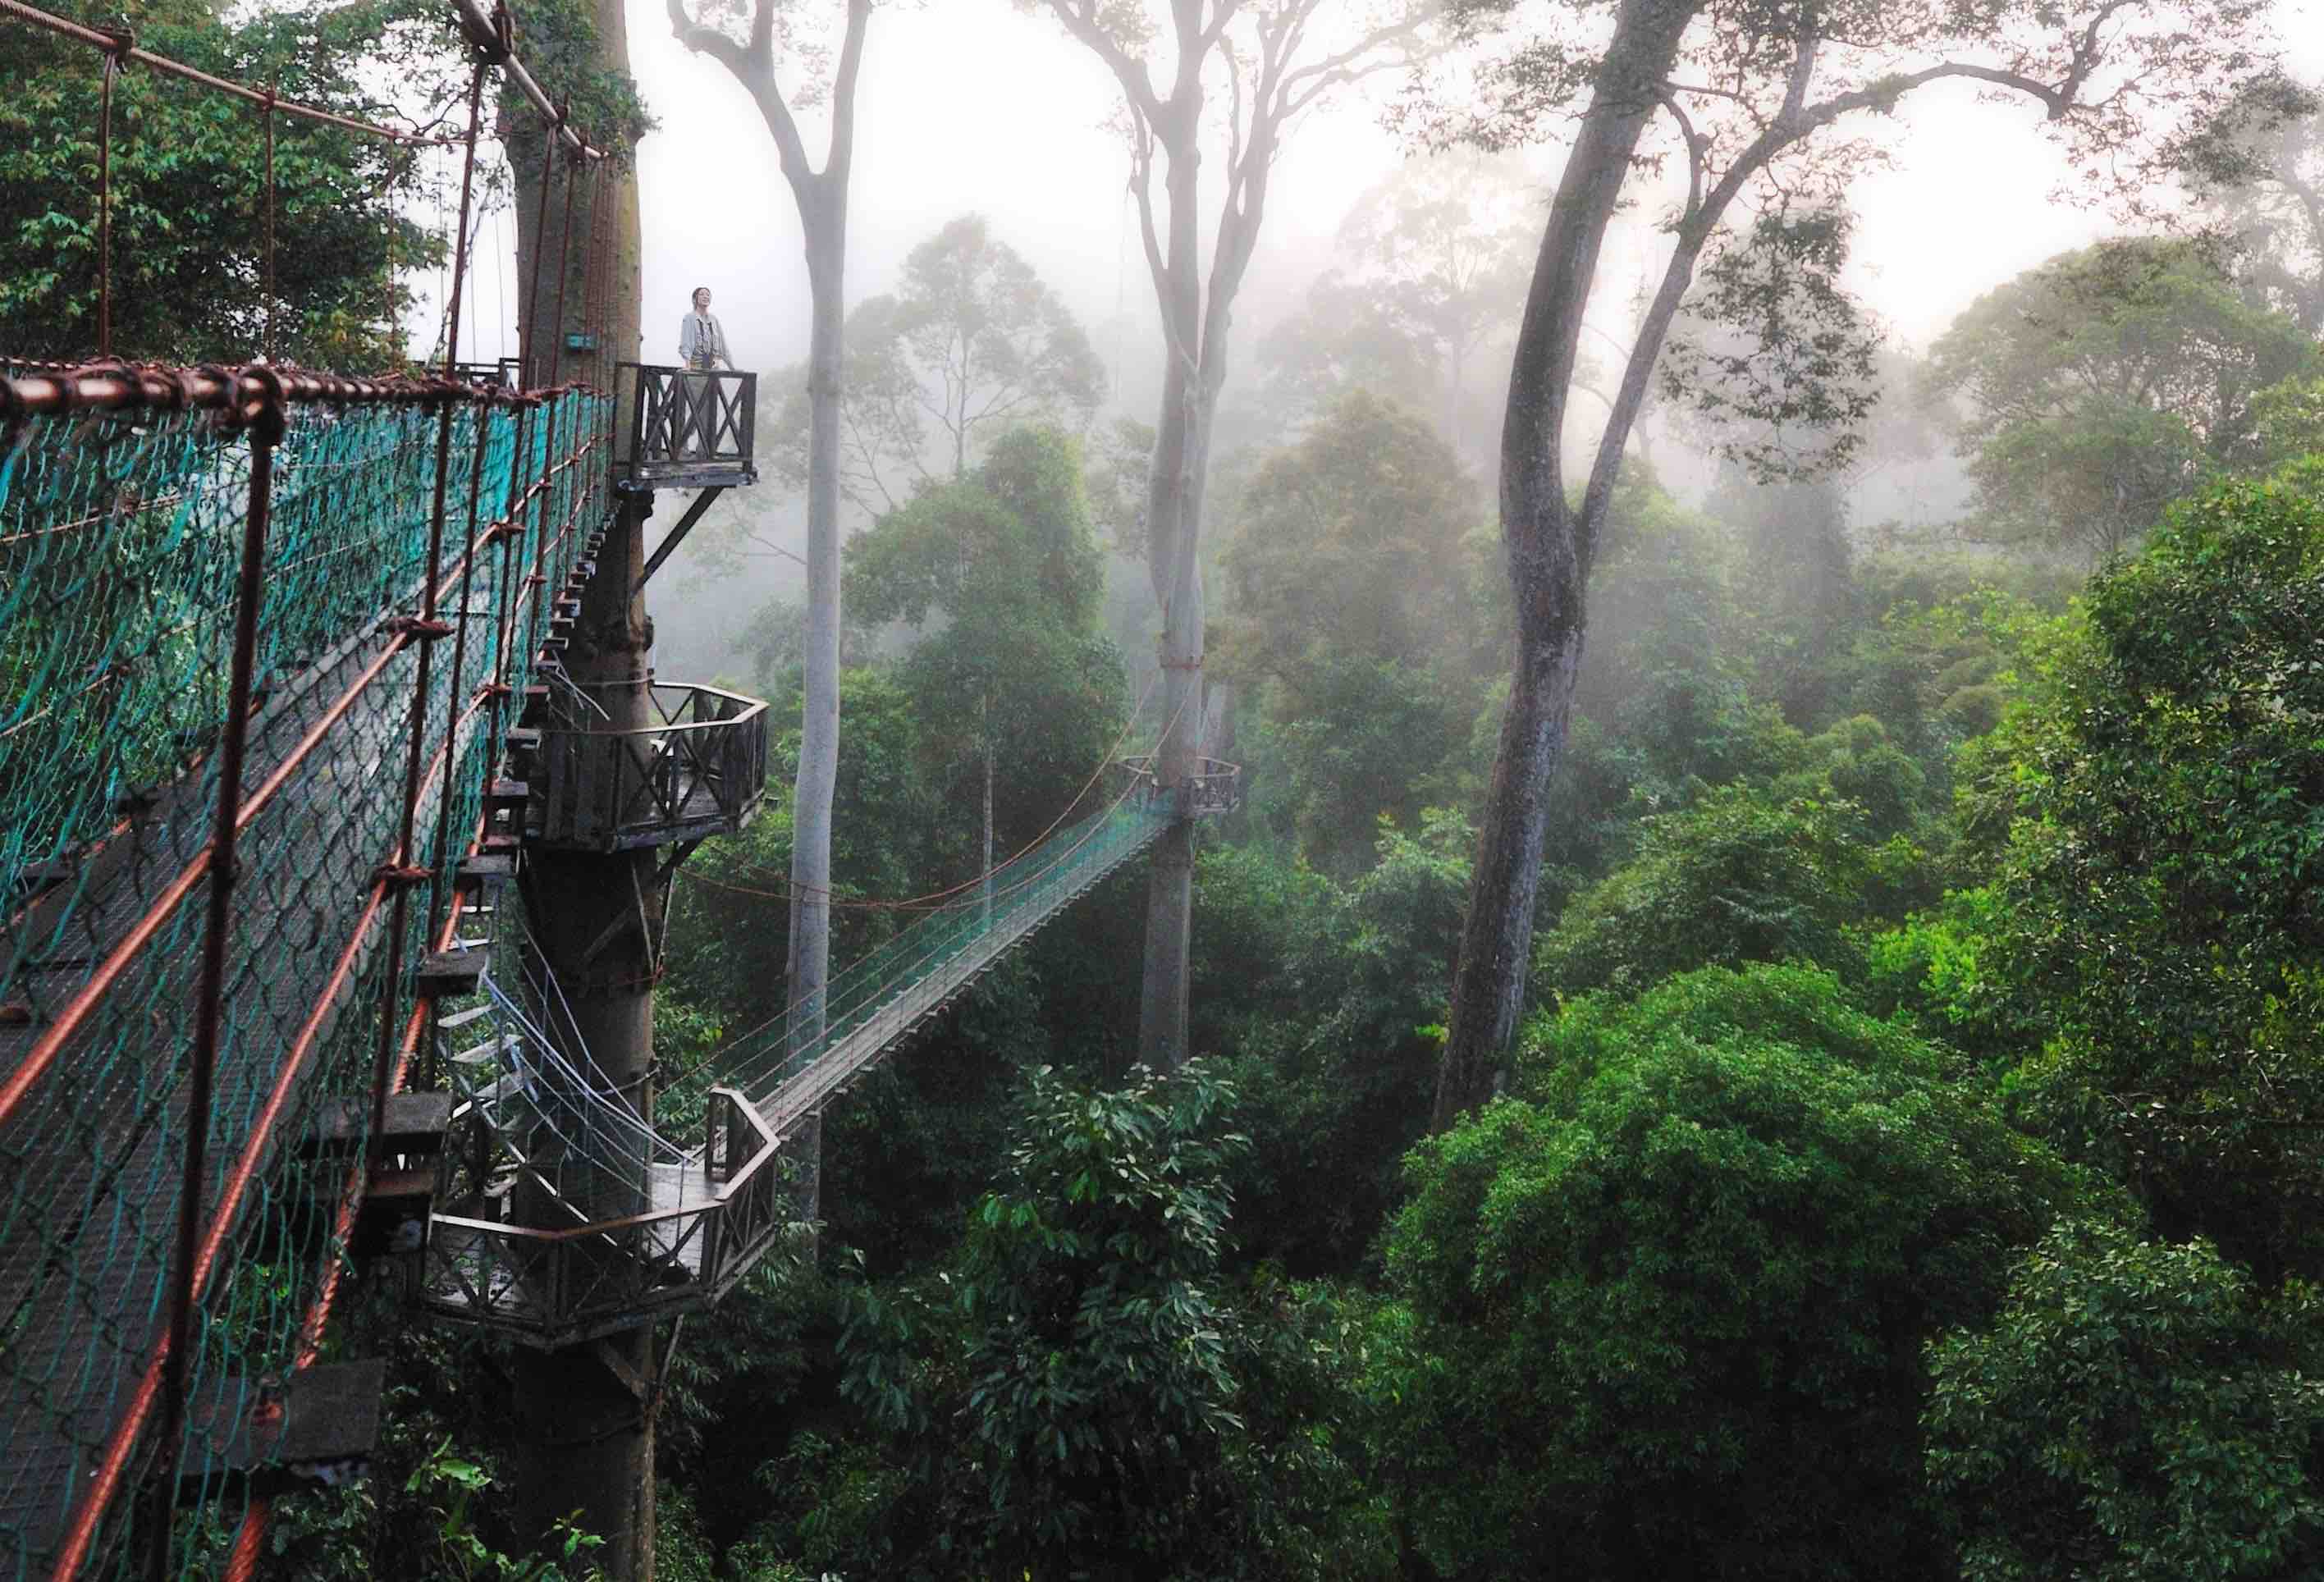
x=678 y=779
x=547 y=1297
x=1211 y=788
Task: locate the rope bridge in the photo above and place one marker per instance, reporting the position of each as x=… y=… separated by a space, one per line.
x=259 y=635
x=577 y=1216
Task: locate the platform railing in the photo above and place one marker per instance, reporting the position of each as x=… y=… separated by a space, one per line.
x=700 y=771
x=558 y=1285
x=689 y=426
x=1214 y=787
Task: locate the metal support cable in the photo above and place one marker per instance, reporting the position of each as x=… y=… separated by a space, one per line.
x=391 y=981
x=116 y=49
x=265 y=425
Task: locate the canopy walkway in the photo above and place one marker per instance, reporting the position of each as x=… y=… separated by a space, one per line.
x=292 y=612
x=282 y=709
x=695 y=1217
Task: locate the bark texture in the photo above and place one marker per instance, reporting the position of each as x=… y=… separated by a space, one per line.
x=1550 y=542
x=589 y=1444
x=589 y=1430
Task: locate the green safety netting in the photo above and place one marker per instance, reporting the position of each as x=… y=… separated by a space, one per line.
x=119 y=539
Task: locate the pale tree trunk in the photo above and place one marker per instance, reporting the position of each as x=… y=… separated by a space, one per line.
x=987 y=869
x=1162 y=1009
x=821 y=199
x=1550 y=545
x=1174 y=515
x=824 y=219
x=1269 y=88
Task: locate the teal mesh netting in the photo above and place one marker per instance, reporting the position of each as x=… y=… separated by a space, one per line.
x=119 y=539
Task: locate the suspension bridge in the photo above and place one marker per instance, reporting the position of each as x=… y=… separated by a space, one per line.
x=286 y=721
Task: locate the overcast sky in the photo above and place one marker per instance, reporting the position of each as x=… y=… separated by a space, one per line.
x=975 y=105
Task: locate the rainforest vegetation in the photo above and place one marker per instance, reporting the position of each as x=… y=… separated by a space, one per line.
x=1902 y=1163
x=1904 y=1168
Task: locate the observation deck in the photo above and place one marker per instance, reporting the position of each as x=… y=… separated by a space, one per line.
x=688 y=429
x=699 y=770
x=700 y=1223
x=1215 y=788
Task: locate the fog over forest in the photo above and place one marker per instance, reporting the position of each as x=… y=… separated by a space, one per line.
x=1447 y=791
x=988 y=109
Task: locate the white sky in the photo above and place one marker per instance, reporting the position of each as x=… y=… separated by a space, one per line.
x=975 y=105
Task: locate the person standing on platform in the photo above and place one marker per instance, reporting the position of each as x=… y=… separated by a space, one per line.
x=701 y=348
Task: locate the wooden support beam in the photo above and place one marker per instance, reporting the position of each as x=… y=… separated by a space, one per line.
x=416 y=1124
x=493 y=869
x=448 y=973
x=676 y=534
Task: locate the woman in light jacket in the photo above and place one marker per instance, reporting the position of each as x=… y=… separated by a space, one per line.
x=701 y=348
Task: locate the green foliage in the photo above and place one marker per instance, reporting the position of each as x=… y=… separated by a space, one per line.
x=1772 y=350
x=730 y=931
x=1353 y=598
x=1354 y=538
x=1013 y=672
x=448 y=1483
x=2137 y=1412
x=2106 y=383
x=2159 y=897
x=1669 y=1313
x=1736 y=878
x=189 y=185
x=1072 y=1394
x=1329 y=1001
x=2288 y=419
x=970 y=345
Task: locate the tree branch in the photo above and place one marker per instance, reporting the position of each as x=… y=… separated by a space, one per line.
x=1079 y=18
x=843 y=93
x=1693 y=152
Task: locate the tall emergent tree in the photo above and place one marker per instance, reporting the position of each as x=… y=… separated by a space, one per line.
x=774 y=39
x=1755 y=97
x=568 y=213
x=1270 y=59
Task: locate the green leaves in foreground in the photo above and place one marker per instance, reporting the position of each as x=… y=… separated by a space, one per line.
x=1680 y=1299
x=2138 y=1412
x=1071 y=1398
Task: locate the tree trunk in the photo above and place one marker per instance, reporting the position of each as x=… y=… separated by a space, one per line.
x=589 y=1440
x=823 y=216
x=983 y=712
x=1170 y=889
x=1550 y=545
